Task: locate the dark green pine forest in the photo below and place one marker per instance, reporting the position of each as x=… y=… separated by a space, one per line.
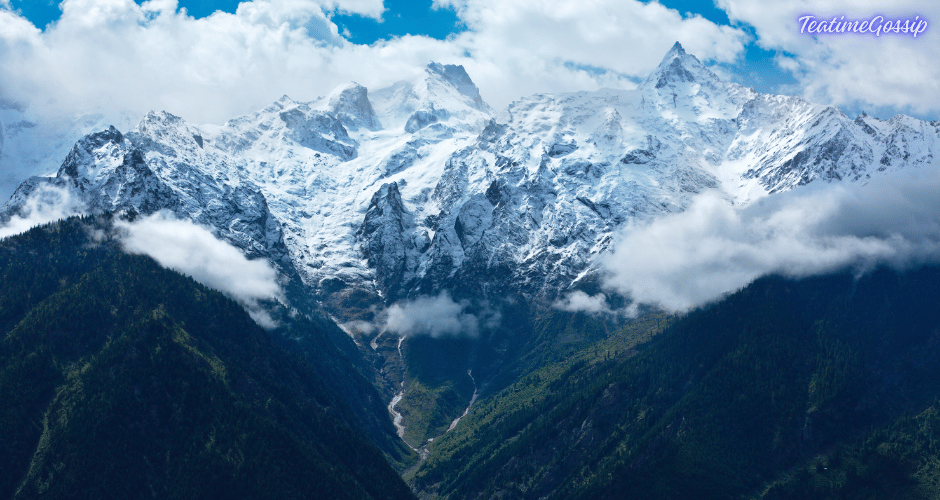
x=826 y=387
x=121 y=379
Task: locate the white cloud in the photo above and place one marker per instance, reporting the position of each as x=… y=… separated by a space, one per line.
x=115 y=55
x=193 y=250
x=358 y=327
x=526 y=46
x=46 y=204
x=596 y=33
x=368 y=8
x=895 y=70
x=694 y=257
x=438 y=316
x=579 y=301
x=118 y=59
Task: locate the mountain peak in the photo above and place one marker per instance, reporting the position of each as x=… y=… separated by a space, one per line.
x=161 y=116
x=159 y=120
x=444 y=94
x=350 y=103
x=676 y=67
x=676 y=50
x=456 y=76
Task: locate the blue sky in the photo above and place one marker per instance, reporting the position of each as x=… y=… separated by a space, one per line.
x=43 y=12
x=415 y=17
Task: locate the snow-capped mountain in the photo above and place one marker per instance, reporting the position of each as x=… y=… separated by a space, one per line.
x=445 y=93
x=32 y=143
x=422 y=187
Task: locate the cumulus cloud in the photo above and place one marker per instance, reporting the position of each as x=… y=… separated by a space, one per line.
x=116 y=55
x=558 y=45
x=193 y=250
x=358 y=327
x=46 y=204
x=438 y=316
x=112 y=56
x=579 y=301
x=895 y=70
x=690 y=258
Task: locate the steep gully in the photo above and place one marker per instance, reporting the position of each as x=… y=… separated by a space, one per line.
x=397 y=416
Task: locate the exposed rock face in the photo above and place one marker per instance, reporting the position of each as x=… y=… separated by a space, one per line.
x=350 y=104
x=388 y=239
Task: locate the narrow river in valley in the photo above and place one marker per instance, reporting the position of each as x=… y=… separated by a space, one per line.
x=472 y=400
x=396 y=416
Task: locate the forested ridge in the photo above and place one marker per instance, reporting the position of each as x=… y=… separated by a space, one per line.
x=121 y=379
x=825 y=387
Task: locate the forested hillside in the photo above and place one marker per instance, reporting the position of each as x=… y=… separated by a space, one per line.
x=825 y=387
x=121 y=379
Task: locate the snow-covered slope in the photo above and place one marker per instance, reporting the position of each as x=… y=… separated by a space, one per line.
x=421 y=187
x=445 y=94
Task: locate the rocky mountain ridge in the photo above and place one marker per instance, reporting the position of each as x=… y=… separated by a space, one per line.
x=421 y=187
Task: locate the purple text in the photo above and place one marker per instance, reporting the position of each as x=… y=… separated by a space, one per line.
x=876 y=25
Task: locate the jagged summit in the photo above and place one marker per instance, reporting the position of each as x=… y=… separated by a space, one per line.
x=683 y=85
x=307 y=125
x=161 y=117
x=675 y=52
x=444 y=95
x=457 y=76
x=350 y=104
x=677 y=67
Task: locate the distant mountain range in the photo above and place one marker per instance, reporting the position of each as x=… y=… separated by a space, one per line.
x=421 y=187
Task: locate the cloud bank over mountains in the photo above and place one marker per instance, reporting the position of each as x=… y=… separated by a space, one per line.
x=713 y=248
x=118 y=55
x=48 y=205
x=109 y=62
x=892 y=70
x=118 y=58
